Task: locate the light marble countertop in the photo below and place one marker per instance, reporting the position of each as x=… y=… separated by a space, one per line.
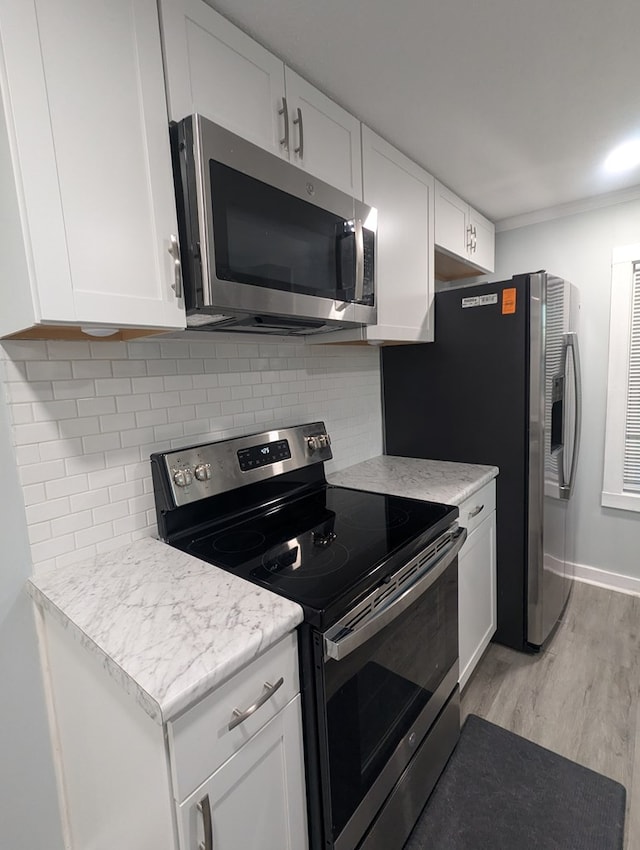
x=165 y=625
x=415 y=478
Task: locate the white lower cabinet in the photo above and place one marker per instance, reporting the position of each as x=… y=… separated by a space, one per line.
x=477 y=580
x=130 y=782
x=256 y=800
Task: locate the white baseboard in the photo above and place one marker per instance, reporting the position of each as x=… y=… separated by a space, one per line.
x=604 y=578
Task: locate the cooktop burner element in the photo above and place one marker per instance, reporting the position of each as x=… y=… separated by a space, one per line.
x=361 y=518
x=230 y=542
x=280 y=525
x=300 y=558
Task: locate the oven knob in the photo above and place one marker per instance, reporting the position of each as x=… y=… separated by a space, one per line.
x=318 y=441
x=203 y=471
x=182 y=477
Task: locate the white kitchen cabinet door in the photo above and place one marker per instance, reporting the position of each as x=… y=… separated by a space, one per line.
x=87 y=162
x=256 y=800
x=403 y=194
x=324 y=137
x=462 y=232
x=451 y=221
x=476 y=595
x=483 y=251
x=213 y=68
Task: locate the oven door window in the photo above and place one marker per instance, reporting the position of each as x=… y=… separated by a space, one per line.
x=268 y=238
x=376 y=693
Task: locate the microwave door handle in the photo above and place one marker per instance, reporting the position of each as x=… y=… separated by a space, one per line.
x=339 y=649
x=359 y=291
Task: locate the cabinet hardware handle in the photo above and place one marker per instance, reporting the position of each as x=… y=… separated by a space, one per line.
x=284 y=111
x=174 y=250
x=240 y=716
x=469 y=238
x=205 y=810
x=300 y=149
x=475 y=511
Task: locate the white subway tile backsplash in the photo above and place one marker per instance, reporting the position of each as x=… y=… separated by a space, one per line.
x=86 y=416
x=34 y=473
x=47 y=510
x=113 y=386
x=72 y=522
x=136 y=437
x=80 y=427
x=37 y=432
x=101 y=531
x=129 y=368
x=117 y=422
x=84 y=463
x=66 y=486
x=106 y=477
x=95 y=406
x=68 y=447
x=101 y=442
x=107 y=513
x=152 y=417
x=92 y=369
x=126 y=404
x=73 y=389
x=59 y=350
x=91 y=499
x=109 y=350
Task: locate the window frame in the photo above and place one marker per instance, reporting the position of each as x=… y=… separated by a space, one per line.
x=622 y=277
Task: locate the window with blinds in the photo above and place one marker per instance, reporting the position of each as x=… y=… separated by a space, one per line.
x=621 y=478
x=631 y=469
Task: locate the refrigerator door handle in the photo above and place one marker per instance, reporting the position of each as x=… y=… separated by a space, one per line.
x=571 y=342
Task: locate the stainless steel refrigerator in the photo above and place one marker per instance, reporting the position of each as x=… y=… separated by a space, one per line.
x=501 y=385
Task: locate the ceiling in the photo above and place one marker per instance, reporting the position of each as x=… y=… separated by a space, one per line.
x=513 y=104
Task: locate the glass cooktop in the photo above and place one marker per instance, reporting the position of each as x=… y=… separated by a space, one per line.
x=324 y=548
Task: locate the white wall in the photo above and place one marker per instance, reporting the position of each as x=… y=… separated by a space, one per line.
x=87 y=415
x=579 y=248
x=28 y=801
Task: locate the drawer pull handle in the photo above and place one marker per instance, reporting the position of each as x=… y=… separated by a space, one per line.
x=240 y=716
x=205 y=810
x=475 y=511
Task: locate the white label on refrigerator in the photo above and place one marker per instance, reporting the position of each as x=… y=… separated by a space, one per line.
x=480 y=300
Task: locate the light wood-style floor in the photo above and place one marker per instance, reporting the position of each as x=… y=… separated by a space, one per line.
x=580 y=697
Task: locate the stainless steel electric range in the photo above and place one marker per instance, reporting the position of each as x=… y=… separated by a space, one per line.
x=377 y=578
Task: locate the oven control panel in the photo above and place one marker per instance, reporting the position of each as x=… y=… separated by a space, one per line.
x=197 y=472
x=263 y=454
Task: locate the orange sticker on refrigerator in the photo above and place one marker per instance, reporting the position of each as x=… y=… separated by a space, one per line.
x=508 y=301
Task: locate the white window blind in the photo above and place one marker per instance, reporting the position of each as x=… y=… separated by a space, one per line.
x=631 y=469
x=621 y=479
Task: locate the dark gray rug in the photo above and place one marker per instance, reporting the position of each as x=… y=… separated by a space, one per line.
x=501 y=792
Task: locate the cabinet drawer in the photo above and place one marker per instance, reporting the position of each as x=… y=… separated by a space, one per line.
x=478 y=506
x=200 y=740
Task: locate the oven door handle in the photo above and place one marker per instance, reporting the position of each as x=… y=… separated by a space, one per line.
x=339 y=649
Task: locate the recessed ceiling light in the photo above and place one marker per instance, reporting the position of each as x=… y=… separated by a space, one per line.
x=624 y=157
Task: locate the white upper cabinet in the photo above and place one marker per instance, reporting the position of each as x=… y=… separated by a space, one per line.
x=403 y=194
x=462 y=232
x=86 y=167
x=325 y=138
x=215 y=69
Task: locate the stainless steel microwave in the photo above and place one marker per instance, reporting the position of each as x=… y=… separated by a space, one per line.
x=264 y=246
